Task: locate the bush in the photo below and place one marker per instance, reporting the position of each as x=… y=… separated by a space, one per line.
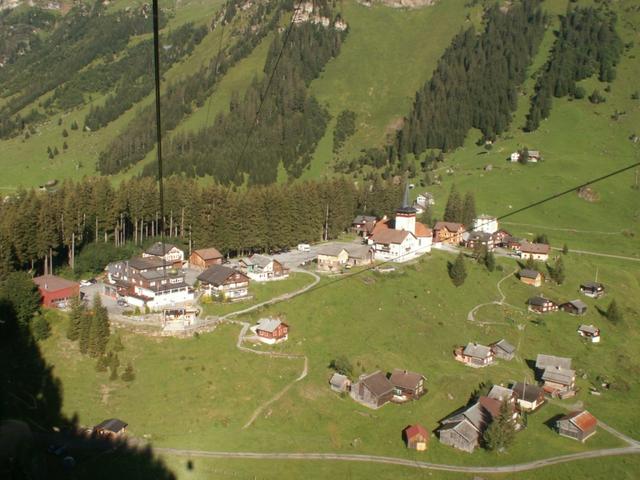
x=596 y=97
x=40 y=328
x=128 y=375
x=341 y=364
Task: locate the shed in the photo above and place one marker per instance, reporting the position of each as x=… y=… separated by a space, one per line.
x=339 y=383
x=579 y=425
x=110 y=428
x=592 y=289
x=530 y=277
x=503 y=349
x=575 y=307
x=205 y=257
x=589 y=331
x=416 y=437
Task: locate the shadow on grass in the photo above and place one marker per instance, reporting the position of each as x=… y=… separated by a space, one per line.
x=36 y=439
x=551 y=423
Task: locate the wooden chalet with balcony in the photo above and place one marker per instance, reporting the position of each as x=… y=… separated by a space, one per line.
x=541 y=305
x=224 y=283
x=592 y=289
x=475 y=355
x=407 y=385
x=448 y=232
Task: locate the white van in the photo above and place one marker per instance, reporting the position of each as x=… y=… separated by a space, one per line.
x=304 y=247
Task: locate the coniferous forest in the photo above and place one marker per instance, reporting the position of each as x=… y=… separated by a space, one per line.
x=587 y=44
x=38 y=225
x=475 y=83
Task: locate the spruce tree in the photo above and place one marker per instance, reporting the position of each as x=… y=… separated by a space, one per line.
x=102 y=363
x=490 y=262
x=501 y=430
x=458 y=271
x=558 y=272
x=468 y=210
x=76 y=315
x=40 y=328
x=114 y=363
x=23 y=295
x=84 y=338
x=614 y=313
x=453 y=209
x=99 y=329
x=128 y=375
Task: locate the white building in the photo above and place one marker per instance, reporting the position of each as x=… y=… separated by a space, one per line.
x=486 y=224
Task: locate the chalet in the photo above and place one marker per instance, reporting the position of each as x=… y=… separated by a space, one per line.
x=373 y=390
x=425 y=200
x=578 y=425
x=111 y=428
x=416 y=437
x=147 y=282
x=541 y=305
x=407 y=385
x=536 y=251
x=514 y=244
x=501 y=238
x=558 y=378
x=171 y=254
x=448 y=232
x=56 y=291
x=339 y=383
x=592 y=289
x=528 y=397
x=224 y=283
x=485 y=224
x=589 y=331
x=574 y=307
x=545 y=361
x=476 y=240
x=530 y=277
x=503 y=349
x=334 y=257
x=363 y=225
x=203 y=258
x=271 y=330
x=475 y=355
x=463 y=430
x=262 y=268
x=502 y=394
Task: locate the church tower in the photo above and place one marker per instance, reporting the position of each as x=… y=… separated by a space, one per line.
x=406 y=214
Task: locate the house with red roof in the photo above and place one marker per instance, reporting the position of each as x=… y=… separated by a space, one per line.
x=579 y=425
x=416 y=437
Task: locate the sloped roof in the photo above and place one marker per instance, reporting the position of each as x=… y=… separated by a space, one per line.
x=538 y=301
x=268 y=324
x=111 y=425
x=592 y=285
x=377 y=383
x=539 y=248
x=422 y=230
x=453 y=227
x=404 y=379
x=217 y=274
x=208 y=253
x=504 y=345
x=338 y=380
x=358 y=251
x=528 y=273
x=465 y=428
x=477 y=350
x=500 y=393
x=582 y=419
x=560 y=375
x=592 y=329
x=331 y=250
x=414 y=430
x=364 y=219
x=143 y=263
x=491 y=405
x=156 y=249
x=526 y=391
x=390 y=236
x=52 y=283
x=544 y=361
x=579 y=304
x=259 y=260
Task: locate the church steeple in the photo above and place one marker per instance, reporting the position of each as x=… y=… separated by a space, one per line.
x=406 y=214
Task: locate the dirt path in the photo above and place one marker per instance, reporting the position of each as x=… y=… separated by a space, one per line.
x=562 y=229
x=598 y=254
x=519 y=467
x=471 y=316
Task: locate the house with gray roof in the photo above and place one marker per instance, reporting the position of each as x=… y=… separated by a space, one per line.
x=339 y=383
x=464 y=428
x=503 y=349
x=574 y=307
x=590 y=332
x=167 y=252
x=262 y=268
x=475 y=355
x=373 y=390
x=556 y=374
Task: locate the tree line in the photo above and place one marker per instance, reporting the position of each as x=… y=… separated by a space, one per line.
x=587 y=44
x=239 y=144
x=44 y=228
x=475 y=82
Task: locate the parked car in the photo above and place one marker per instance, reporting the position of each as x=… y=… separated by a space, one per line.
x=88 y=282
x=304 y=247
x=122 y=302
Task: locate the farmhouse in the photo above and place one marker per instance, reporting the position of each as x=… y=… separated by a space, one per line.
x=147 y=281
x=559 y=380
x=334 y=257
x=416 y=437
x=363 y=225
x=528 y=397
x=111 y=428
x=589 y=331
x=271 y=330
x=503 y=349
x=578 y=425
x=339 y=383
x=592 y=289
x=475 y=240
x=530 y=277
x=203 y=258
x=407 y=385
x=262 y=268
x=541 y=305
x=536 y=251
x=171 y=254
x=464 y=428
x=501 y=238
x=486 y=224
x=448 y=232
x=225 y=283
x=475 y=355
x=56 y=291
x=575 y=307
x=373 y=390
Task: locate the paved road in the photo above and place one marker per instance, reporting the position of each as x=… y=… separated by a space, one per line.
x=520 y=467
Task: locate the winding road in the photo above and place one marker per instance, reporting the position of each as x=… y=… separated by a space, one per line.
x=471 y=315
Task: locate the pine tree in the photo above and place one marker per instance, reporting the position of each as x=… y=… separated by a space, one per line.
x=565 y=249
x=114 y=363
x=558 y=273
x=501 y=430
x=490 y=262
x=453 y=209
x=76 y=317
x=128 y=375
x=116 y=344
x=458 y=271
x=40 y=328
x=23 y=295
x=102 y=363
x=468 y=209
x=99 y=328
x=65 y=134
x=614 y=313
x=84 y=339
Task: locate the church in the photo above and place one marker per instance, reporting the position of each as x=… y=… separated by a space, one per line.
x=401 y=239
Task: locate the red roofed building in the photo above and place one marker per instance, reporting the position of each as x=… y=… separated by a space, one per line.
x=56 y=291
x=416 y=437
x=578 y=425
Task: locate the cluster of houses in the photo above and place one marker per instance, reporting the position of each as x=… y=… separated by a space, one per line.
x=378 y=388
x=478 y=356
